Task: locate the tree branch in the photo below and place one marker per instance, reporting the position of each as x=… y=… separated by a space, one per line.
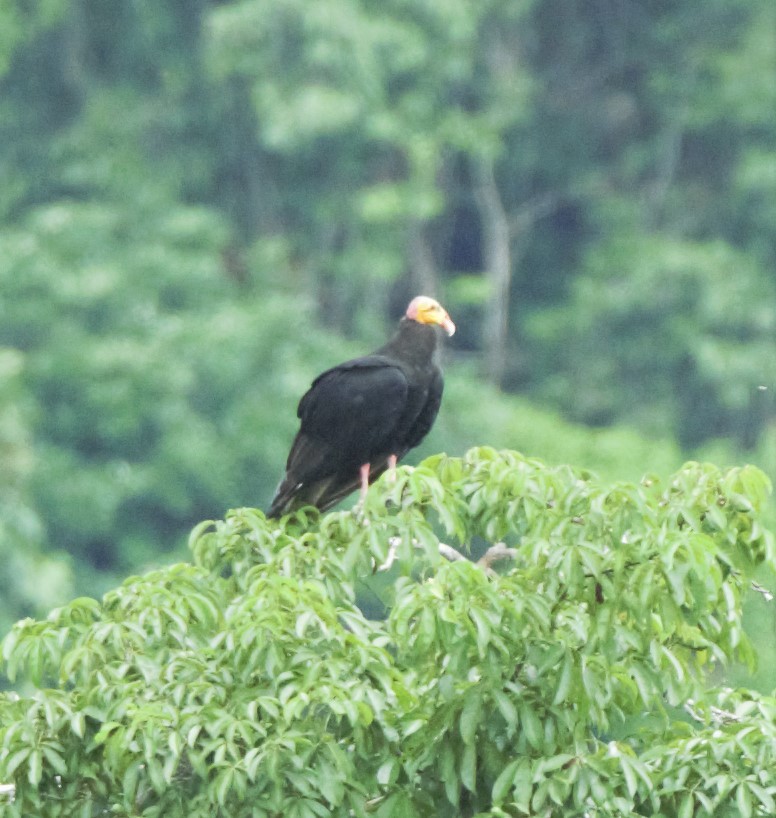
x=498 y=266
x=422 y=266
x=761 y=590
x=718 y=716
x=496 y=553
x=523 y=218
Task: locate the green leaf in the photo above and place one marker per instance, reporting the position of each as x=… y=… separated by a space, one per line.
x=448 y=771
x=469 y=767
x=388 y=772
x=54 y=759
x=506 y=707
x=565 y=679
x=744 y=800
x=16 y=759
x=471 y=716
x=413 y=727
x=483 y=629
x=78 y=724
x=531 y=726
x=503 y=784
x=765 y=798
x=35 y=767
x=523 y=785
x=631 y=781
x=396 y=804
x=553 y=763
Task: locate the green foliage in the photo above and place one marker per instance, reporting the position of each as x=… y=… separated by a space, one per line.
x=337 y=114
x=144 y=366
x=576 y=682
x=707 y=372
x=351 y=133
x=20 y=22
x=203 y=205
x=152 y=388
x=32 y=580
x=474 y=412
x=380 y=116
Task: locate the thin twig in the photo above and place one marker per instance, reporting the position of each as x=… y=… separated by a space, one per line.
x=450 y=553
x=447 y=551
x=761 y=590
x=393 y=546
x=718 y=716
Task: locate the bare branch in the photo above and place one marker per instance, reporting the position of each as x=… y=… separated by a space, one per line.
x=718 y=716
x=768 y=595
x=497 y=258
x=373 y=803
x=393 y=545
x=449 y=553
x=495 y=553
x=523 y=218
x=422 y=265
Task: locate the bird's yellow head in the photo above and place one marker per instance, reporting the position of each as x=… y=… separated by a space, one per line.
x=426 y=310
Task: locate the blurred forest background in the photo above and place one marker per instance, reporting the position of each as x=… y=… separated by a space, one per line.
x=204 y=204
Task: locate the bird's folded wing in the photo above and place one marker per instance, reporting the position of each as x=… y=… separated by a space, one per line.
x=355 y=406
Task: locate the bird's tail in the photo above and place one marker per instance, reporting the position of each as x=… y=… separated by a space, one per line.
x=292 y=494
x=282 y=502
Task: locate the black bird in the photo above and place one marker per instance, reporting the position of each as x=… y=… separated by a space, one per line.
x=359 y=418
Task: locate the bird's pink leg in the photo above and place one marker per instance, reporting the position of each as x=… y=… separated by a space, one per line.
x=364 y=472
x=358 y=508
x=392 y=468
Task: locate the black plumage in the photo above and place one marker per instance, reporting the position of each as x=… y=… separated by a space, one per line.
x=359 y=418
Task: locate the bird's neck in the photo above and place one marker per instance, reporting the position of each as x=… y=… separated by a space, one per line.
x=413 y=342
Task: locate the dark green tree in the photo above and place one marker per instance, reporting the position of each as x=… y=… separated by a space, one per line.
x=573 y=683
x=694 y=324
x=32 y=580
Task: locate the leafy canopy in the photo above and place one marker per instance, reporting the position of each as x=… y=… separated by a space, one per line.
x=574 y=683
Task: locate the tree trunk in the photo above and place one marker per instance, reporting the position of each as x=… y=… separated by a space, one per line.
x=497 y=259
x=73 y=64
x=425 y=276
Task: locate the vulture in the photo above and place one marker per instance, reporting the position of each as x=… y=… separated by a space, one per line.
x=359 y=418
